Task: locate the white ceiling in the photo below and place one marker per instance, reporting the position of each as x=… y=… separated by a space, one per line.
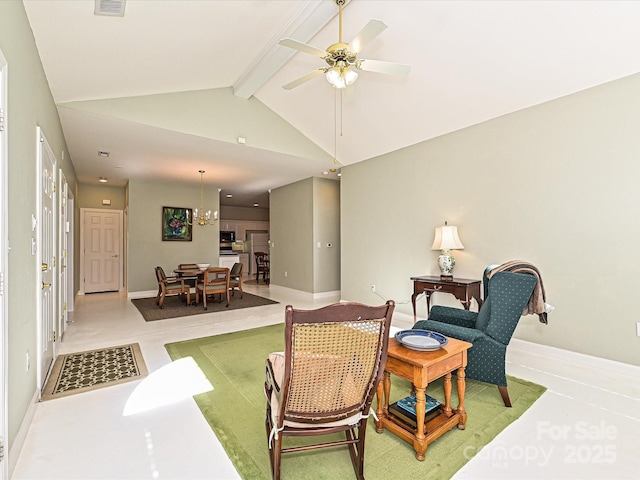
x=471 y=61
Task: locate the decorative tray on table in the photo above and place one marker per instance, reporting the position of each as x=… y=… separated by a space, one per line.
x=423 y=340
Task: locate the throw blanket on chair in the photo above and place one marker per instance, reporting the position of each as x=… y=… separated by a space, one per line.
x=537 y=303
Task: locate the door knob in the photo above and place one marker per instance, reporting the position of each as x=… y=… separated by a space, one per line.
x=115 y=256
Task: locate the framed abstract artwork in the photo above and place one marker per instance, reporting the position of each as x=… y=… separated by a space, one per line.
x=175 y=224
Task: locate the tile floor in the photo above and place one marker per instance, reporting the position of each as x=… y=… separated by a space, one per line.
x=584 y=427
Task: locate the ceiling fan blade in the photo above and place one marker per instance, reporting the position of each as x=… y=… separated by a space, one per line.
x=379 y=66
x=370 y=31
x=303 y=47
x=304 y=78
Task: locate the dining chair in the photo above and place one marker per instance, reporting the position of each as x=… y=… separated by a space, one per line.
x=170 y=286
x=325 y=379
x=189 y=279
x=262 y=266
x=214 y=281
x=235 y=279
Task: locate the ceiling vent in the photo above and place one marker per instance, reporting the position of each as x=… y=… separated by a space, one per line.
x=110 y=8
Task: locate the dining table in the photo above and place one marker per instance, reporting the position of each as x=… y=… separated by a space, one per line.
x=196 y=273
x=190 y=273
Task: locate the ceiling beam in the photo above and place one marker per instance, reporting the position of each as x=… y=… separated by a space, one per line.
x=312 y=17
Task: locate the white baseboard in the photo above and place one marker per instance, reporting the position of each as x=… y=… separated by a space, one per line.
x=143 y=294
x=589 y=361
x=18 y=442
x=335 y=293
x=306 y=295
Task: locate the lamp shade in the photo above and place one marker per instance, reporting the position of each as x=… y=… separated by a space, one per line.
x=446 y=238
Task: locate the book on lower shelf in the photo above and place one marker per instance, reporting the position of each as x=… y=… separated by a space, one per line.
x=405 y=409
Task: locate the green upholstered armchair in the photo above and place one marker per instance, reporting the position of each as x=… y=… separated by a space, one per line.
x=490 y=329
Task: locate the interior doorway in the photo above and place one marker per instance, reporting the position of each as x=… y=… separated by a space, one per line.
x=45 y=247
x=101 y=264
x=63 y=248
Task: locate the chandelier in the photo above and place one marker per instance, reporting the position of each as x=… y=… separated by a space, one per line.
x=200 y=216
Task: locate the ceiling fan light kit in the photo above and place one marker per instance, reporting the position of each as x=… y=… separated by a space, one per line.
x=340 y=77
x=341 y=57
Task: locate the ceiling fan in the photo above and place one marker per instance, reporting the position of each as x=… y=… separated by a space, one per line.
x=342 y=57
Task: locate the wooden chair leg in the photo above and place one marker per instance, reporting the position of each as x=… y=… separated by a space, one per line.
x=356 y=450
x=277 y=457
x=505 y=395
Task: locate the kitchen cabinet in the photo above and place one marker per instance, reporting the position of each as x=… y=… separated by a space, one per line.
x=227 y=225
x=241 y=231
x=244 y=259
x=244 y=226
x=227 y=261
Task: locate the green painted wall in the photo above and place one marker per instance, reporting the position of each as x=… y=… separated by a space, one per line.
x=244 y=213
x=555 y=184
x=291 y=235
x=146 y=250
x=326 y=230
x=91 y=196
x=303 y=214
x=215 y=113
x=29 y=105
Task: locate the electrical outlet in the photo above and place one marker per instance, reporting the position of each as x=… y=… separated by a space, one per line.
x=638 y=329
x=285 y=274
x=28 y=361
x=373 y=288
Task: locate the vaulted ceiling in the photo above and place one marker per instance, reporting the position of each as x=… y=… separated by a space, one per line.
x=169 y=88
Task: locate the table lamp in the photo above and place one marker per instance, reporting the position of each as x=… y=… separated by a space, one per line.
x=446 y=239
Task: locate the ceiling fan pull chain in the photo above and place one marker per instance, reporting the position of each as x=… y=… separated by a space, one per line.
x=340 y=4
x=335 y=125
x=341 y=98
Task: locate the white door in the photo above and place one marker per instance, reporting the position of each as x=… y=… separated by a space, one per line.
x=46 y=255
x=71 y=289
x=63 y=229
x=102 y=238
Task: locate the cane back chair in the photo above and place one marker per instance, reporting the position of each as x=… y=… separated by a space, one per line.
x=325 y=379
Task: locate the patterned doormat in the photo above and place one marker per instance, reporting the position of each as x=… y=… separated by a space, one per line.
x=84 y=371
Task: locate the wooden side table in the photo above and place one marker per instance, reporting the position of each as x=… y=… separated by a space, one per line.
x=463 y=289
x=420 y=368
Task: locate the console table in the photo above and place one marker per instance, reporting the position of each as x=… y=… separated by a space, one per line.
x=463 y=289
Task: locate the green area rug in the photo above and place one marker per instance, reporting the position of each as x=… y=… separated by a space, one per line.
x=235 y=409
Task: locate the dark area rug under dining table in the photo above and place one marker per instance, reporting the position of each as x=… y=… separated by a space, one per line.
x=176 y=307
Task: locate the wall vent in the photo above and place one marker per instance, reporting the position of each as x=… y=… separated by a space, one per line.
x=110 y=8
